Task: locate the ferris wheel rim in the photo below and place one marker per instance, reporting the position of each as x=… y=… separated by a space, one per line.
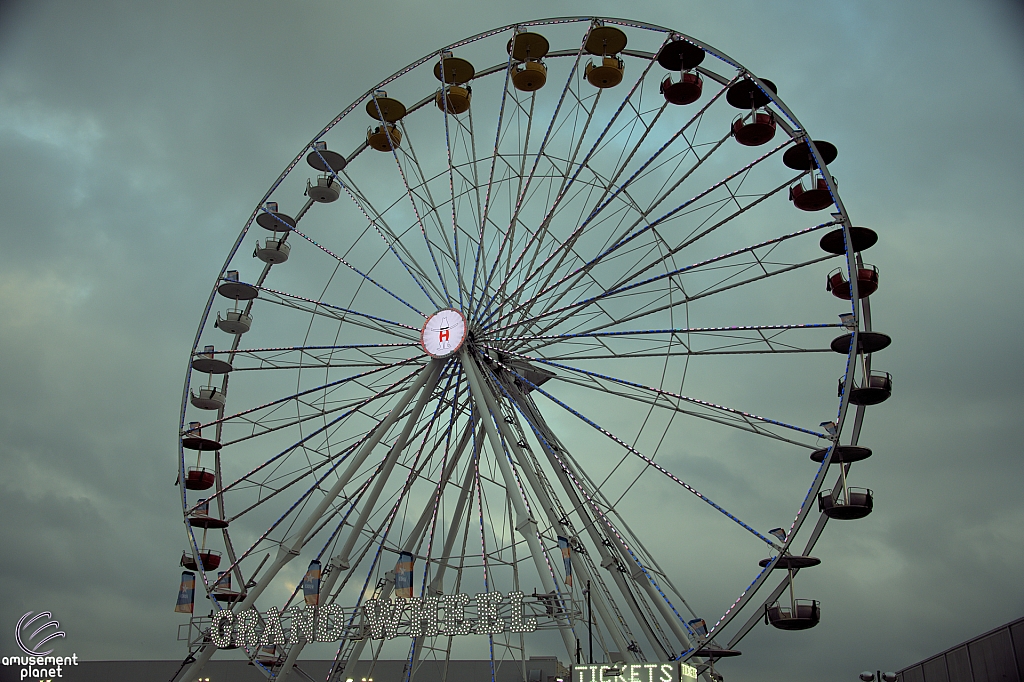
x=858 y=417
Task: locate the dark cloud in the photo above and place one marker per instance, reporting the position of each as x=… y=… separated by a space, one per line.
x=136 y=137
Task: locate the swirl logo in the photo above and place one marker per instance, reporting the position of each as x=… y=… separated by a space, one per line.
x=40 y=636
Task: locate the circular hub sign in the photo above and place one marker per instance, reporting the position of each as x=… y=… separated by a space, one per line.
x=443 y=333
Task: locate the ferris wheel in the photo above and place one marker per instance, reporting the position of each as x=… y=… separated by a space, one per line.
x=532 y=349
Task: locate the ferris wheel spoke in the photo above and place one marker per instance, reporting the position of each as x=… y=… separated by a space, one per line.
x=487 y=275
x=686 y=204
x=713 y=415
x=726 y=283
x=558 y=292
x=746 y=417
x=432 y=207
x=371 y=355
x=451 y=188
x=606 y=200
x=638 y=554
x=563 y=249
x=408 y=262
x=394 y=242
x=658 y=332
x=526 y=227
x=467 y=201
x=698 y=233
x=524 y=198
x=340 y=313
x=673 y=214
x=276 y=461
x=651 y=463
x=375 y=219
x=585 y=283
x=522 y=192
x=423 y=281
x=341 y=560
x=727 y=287
x=322 y=387
x=273 y=489
x=559 y=314
x=635 y=233
x=613 y=322
x=338 y=364
x=295 y=507
x=593 y=501
x=267 y=425
x=613 y=355
x=409 y=194
x=537 y=237
x=490 y=182
x=700 y=156
x=307 y=349
x=359 y=272
x=712 y=341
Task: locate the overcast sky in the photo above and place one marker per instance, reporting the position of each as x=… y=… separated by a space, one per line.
x=136 y=137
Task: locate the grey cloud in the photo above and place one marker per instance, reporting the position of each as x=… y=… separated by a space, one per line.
x=135 y=139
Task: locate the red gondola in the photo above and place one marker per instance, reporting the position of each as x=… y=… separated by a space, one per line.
x=199 y=479
x=685 y=91
x=867 y=282
x=209 y=559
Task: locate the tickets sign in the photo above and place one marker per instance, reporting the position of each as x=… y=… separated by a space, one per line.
x=664 y=671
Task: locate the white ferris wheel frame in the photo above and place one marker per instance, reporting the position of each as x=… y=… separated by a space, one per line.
x=497 y=382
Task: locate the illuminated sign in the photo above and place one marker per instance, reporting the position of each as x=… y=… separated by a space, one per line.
x=443 y=333
x=664 y=671
x=488 y=613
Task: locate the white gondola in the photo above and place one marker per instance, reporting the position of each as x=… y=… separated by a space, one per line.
x=208 y=398
x=235 y=321
x=273 y=251
x=324 y=191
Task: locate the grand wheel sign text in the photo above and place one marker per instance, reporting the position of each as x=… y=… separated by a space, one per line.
x=488 y=613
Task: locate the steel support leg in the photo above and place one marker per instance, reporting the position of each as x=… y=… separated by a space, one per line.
x=525 y=524
x=340 y=562
x=291 y=547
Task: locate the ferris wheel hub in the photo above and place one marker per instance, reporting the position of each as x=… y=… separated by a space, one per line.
x=443 y=333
